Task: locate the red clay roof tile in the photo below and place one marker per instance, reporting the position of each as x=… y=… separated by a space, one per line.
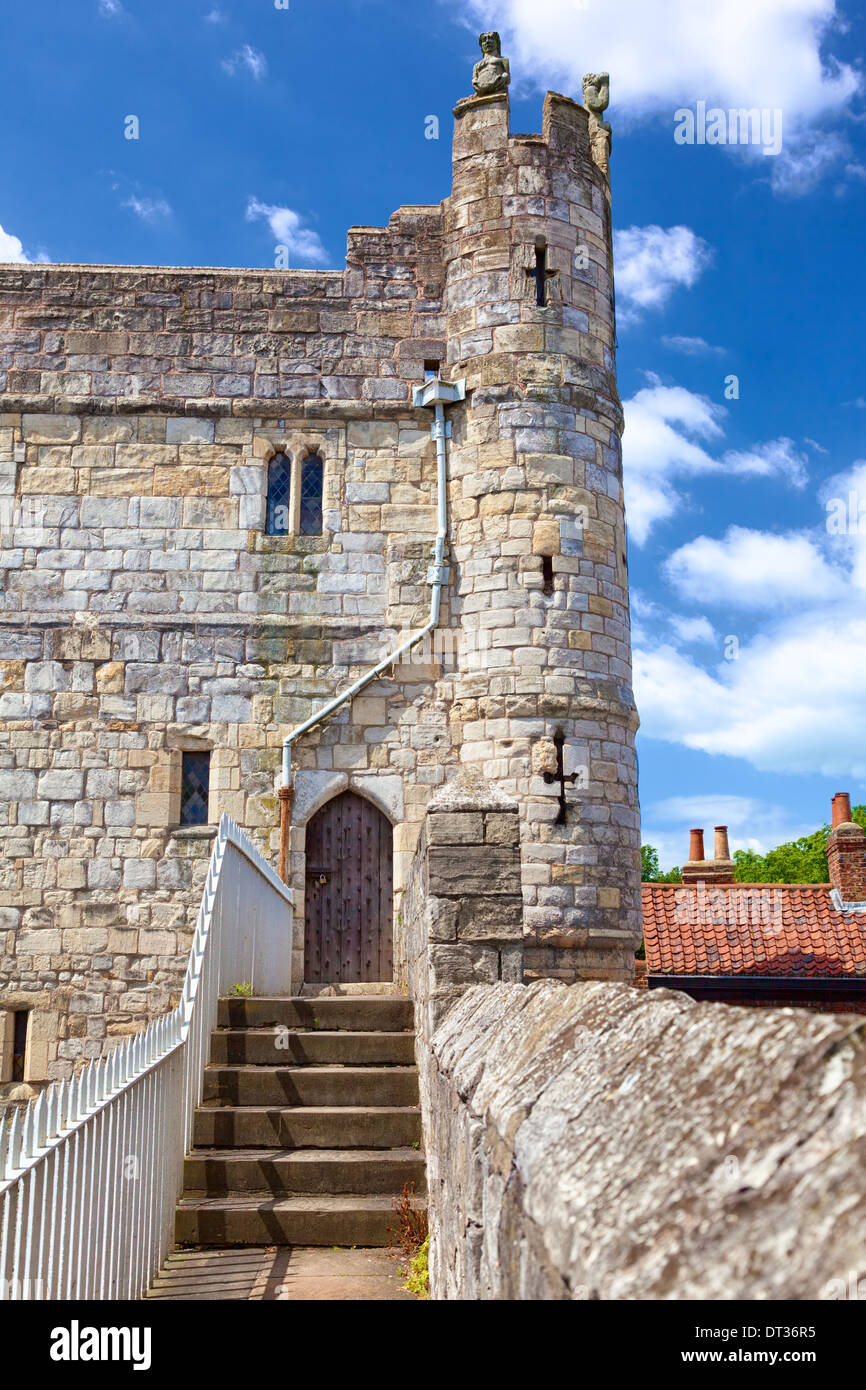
x=788 y=930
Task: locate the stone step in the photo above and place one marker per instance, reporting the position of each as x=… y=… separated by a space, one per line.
x=281 y=1273
x=274 y=1046
x=362 y=1013
x=284 y=1171
x=320 y=1086
x=306 y=1127
x=260 y=1219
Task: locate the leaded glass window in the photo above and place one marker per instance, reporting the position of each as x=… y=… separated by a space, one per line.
x=312 y=480
x=20 y=1020
x=194 y=788
x=279 y=496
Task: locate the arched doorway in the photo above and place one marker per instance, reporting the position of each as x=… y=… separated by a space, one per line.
x=349 y=893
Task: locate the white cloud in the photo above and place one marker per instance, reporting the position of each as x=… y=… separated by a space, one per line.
x=651 y=262
x=663 y=429
x=805 y=159
x=844 y=499
x=754 y=569
x=778 y=458
x=288 y=228
x=110 y=8
x=662 y=54
x=11 y=249
x=793 y=698
x=667 y=430
x=707 y=809
x=216 y=16
x=694 y=629
x=752 y=824
x=692 y=347
x=247 y=59
x=794 y=701
x=649 y=618
x=148 y=209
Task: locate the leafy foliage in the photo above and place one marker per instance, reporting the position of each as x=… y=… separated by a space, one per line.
x=417 y=1276
x=797 y=861
x=649 y=867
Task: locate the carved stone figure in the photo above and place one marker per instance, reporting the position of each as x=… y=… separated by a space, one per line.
x=596 y=98
x=492 y=73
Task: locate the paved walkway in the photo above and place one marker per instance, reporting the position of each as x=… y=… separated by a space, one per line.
x=280 y=1273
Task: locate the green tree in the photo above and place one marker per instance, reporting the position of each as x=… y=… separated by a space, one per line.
x=649 y=864
x=649 y=867
x=797 y=861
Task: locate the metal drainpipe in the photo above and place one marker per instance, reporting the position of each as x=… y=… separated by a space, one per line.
x=437 y=393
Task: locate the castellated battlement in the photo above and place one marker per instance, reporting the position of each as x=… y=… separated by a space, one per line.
x=217 y=509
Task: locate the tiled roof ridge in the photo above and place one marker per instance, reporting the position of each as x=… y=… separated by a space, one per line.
x=709 y=884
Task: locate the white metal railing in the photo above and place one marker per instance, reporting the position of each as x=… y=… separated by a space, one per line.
x=91 y=1171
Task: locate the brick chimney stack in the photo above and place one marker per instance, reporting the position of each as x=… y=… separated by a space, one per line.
x=723 y=864
x=841 y=811
x=846 y=852
x=696 y=866
x=719 y=869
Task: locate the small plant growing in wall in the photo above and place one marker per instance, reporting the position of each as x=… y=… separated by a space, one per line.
x=417 y=1276
x=410 y=1238
x=243 y=990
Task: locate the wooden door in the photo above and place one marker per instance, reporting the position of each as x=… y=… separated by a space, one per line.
x=349 y=898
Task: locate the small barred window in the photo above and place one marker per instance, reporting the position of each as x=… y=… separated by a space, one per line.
x=194 y=788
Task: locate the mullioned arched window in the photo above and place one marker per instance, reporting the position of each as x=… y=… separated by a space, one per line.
x=312 y=482
x=279 y=513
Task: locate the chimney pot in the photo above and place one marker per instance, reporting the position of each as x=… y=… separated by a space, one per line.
x=841 y=808
x=696 y=845
x=722 y=850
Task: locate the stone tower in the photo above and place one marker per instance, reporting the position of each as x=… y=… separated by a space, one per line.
x=543 y=691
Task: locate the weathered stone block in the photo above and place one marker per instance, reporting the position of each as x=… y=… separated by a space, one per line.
x=51 y=429
x=455 y=828
x=457 y=869
x=17 y=784
x=61 y=786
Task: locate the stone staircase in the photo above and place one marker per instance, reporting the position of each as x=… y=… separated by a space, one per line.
x=309 y=1124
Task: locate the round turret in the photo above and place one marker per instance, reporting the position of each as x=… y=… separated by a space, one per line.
x=543 y=697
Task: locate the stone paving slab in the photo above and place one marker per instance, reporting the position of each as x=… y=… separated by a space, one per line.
x=280 y=1274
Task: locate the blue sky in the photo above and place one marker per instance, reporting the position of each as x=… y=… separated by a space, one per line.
x=260 y=125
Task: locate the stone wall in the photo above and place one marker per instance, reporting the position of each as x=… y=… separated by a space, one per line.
x=596 y=1141
x=145 y=612
x=462 y=911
